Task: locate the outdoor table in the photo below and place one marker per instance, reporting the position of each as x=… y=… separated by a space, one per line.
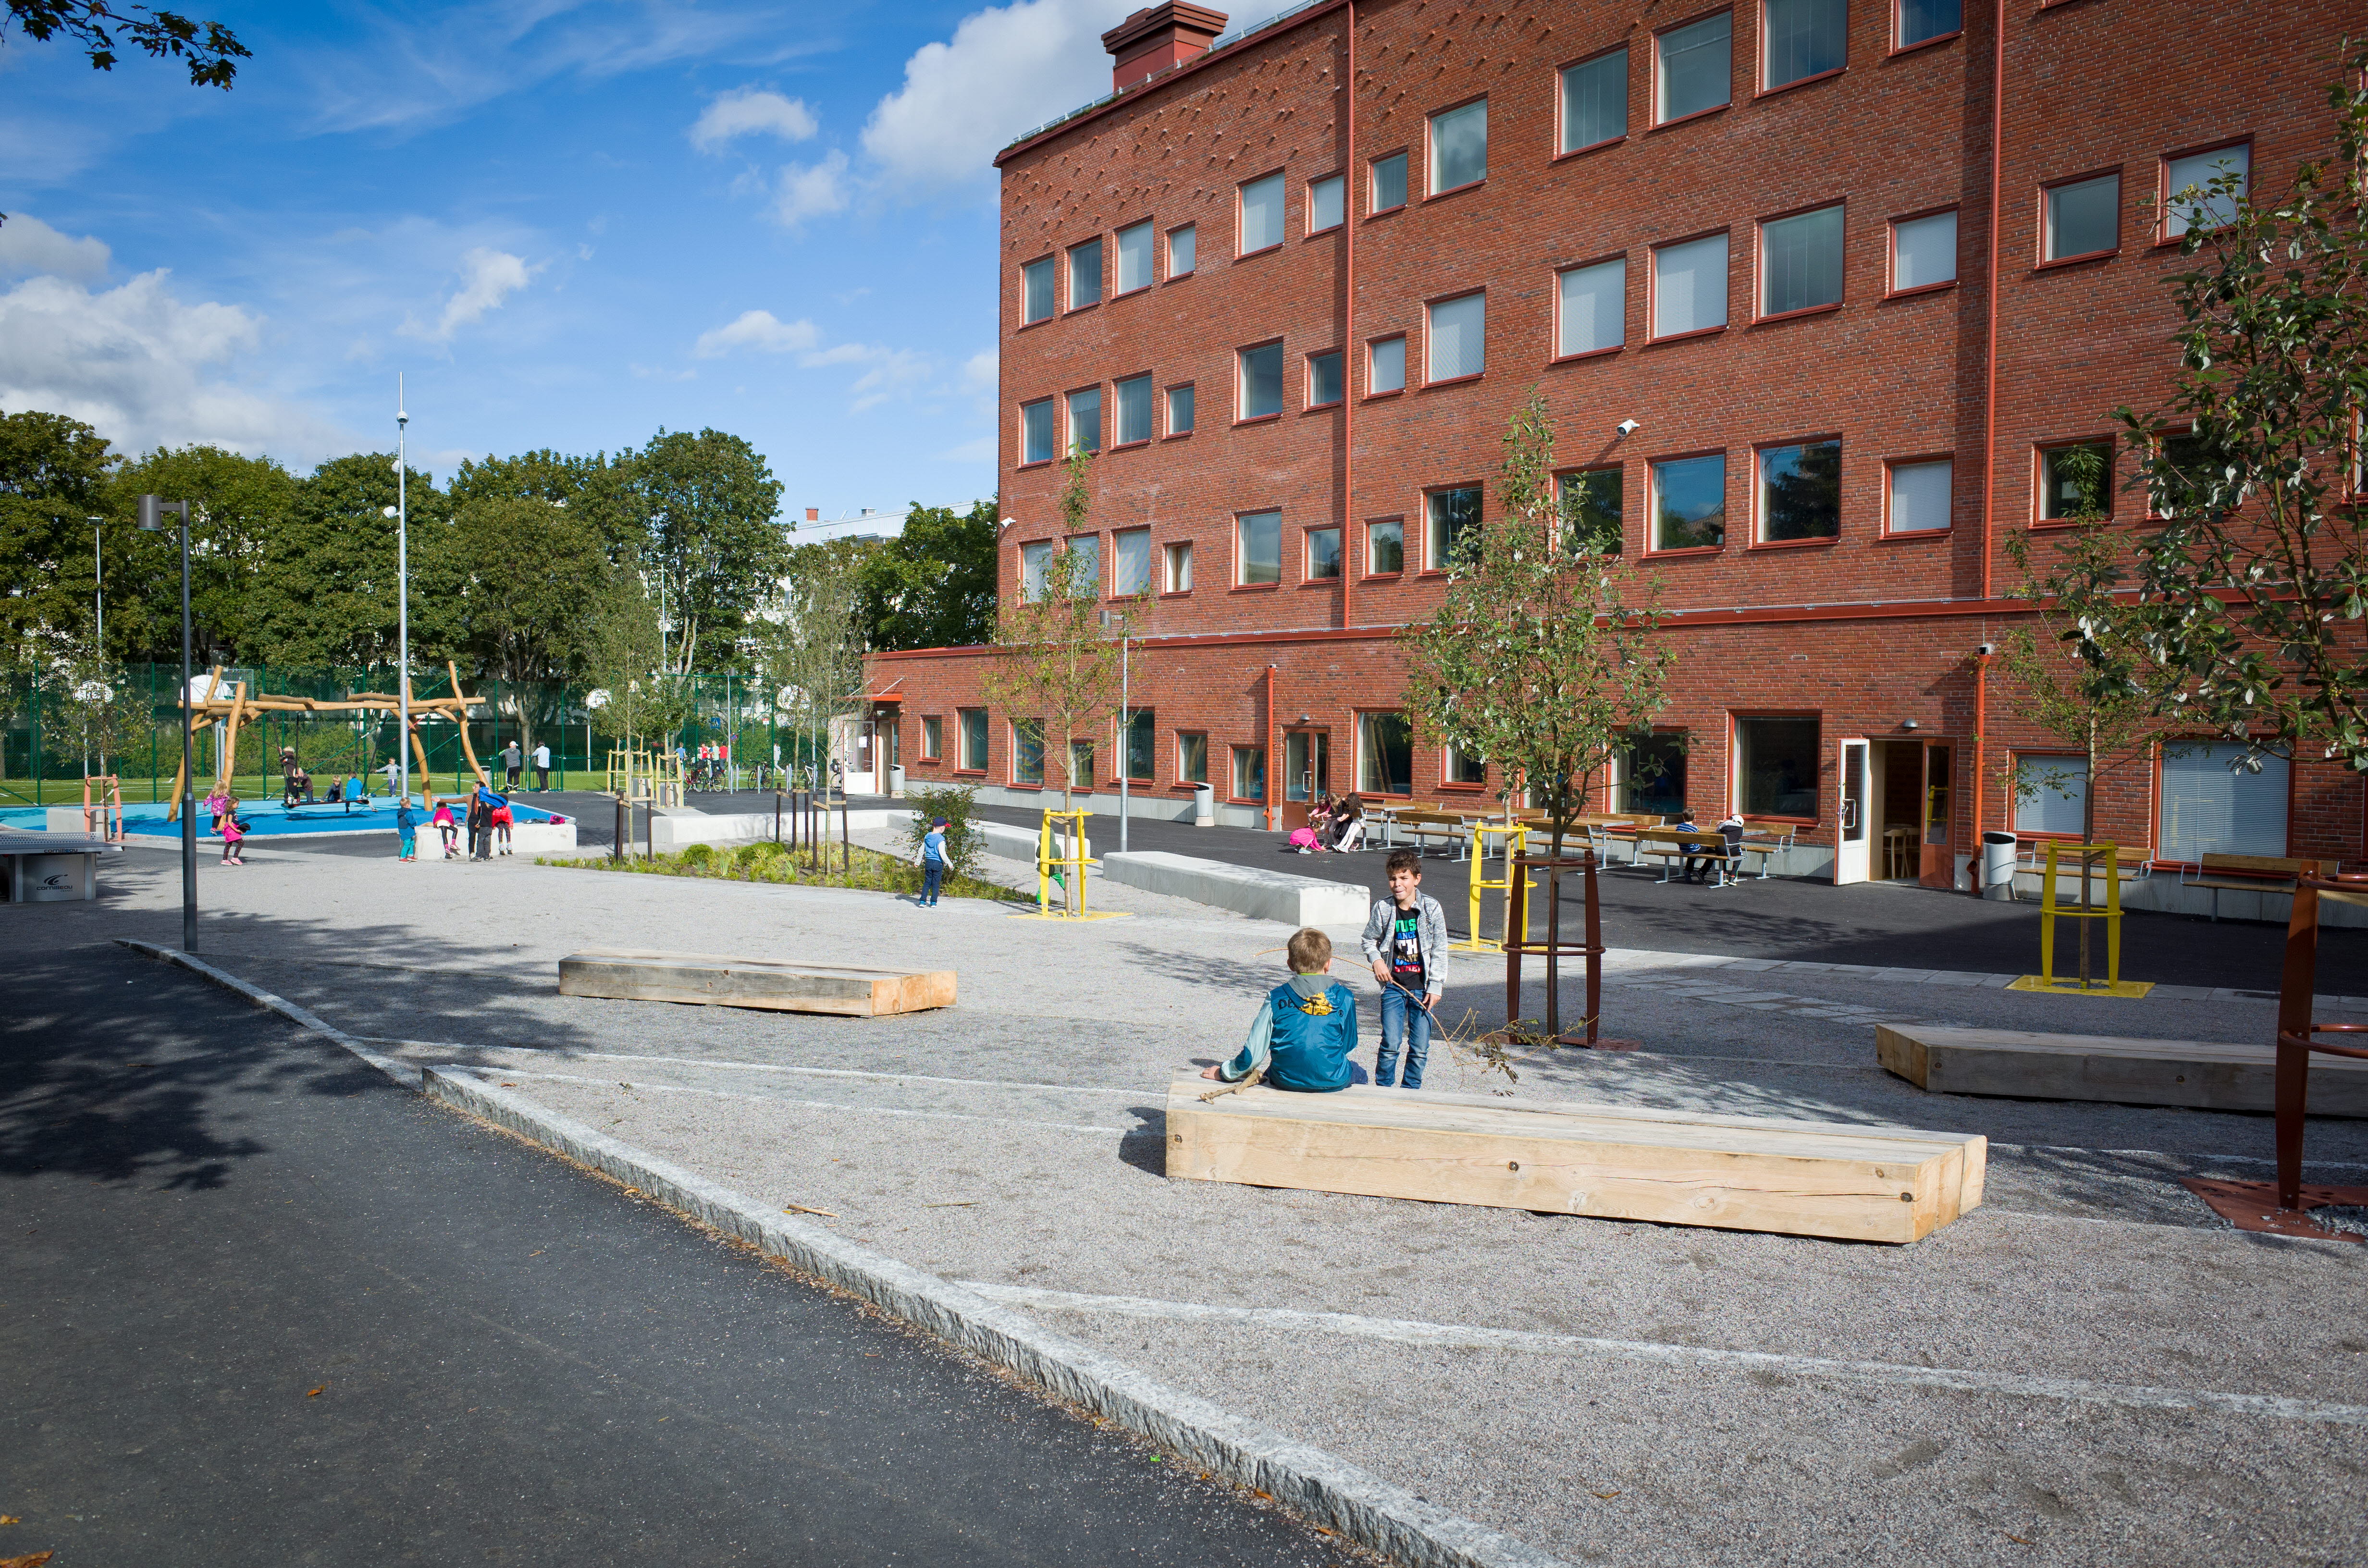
x=52 y=868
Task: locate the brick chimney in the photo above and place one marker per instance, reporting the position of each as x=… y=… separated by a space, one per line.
x=1159 y=37
x=813 y=513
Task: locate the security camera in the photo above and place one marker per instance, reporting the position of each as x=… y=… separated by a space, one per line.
x=1983 y=649
x=1630 y=426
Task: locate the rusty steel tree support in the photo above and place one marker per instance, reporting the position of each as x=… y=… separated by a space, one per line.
x=2298 y=1035
x=1519 y=944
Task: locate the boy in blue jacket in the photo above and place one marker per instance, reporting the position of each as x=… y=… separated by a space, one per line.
x=1305 y=1029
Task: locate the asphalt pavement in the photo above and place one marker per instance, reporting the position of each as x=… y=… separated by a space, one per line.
x=260 y=1305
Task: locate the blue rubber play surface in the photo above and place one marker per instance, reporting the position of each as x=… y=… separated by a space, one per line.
x=269 y=817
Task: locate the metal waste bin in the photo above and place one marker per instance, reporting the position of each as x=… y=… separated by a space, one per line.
x=1997 y=866
x=896 y=780
x=1204 y=806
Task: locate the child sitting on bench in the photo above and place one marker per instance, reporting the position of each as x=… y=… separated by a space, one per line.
x=1305 y=1029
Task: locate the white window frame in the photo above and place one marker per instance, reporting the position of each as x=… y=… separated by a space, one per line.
x=1281 y=189
x=1186 y=236
x=1138 y=240
x=1564 y=144
x=1074 y=255
x=1119 y=388
x=1725 y=243
x=1432 y=338
x=1374 y=359
x=1564 y=347
x=1432 y=173
x=1332 y=189
x=1661 y=114
x=1176 y=566
x=1924 y=223
x=1051 y=272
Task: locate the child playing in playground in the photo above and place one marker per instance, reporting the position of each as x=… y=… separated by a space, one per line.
x=446 y=825
x=1405 y=941
x=933 y=862
x=406 y=828
x=1306 y=1029
x=234 y=833
x=501 y=820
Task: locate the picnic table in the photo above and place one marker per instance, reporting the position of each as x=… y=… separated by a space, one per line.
x=1674 y=846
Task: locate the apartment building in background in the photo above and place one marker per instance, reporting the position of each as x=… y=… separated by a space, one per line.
x=1820 y=293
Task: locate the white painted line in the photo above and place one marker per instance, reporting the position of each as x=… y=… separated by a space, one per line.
x=1407 y=1332
x=1159 y=1090
x=779 y=1099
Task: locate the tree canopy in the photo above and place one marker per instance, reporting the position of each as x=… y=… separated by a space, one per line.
x=933 y=584
x=211 y=50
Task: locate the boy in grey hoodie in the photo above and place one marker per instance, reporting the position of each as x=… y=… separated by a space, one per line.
x=1405 y=941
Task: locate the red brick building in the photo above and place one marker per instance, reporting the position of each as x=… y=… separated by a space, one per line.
x=1814 y=304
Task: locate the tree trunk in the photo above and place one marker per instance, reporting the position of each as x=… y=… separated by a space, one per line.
x=2088 y=838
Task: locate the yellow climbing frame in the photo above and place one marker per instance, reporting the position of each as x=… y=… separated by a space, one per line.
x=2051 y=909
x=1514 y=845
x=1070 y=863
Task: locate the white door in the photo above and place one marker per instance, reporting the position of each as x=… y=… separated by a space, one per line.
x=1851 y=841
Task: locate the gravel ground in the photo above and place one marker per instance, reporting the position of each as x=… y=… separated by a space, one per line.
x=1015 y=1140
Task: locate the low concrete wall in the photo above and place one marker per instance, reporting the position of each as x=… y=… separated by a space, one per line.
x=1268 y=895
x=1143 y=805
x=1019 y=843
x=678 y=829
x=542 y=837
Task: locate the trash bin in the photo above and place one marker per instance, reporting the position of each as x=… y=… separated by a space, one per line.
x=1997 y=866
x=1204 y=806
x=896 y=780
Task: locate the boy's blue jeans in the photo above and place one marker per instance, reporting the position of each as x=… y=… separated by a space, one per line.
x=1405 y=1023
x=933 y=873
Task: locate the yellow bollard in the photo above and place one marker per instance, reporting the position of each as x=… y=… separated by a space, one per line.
x=2051 y=909
x=1516 y=839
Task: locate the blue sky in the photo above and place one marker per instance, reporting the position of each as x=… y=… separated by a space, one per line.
x=568 y=222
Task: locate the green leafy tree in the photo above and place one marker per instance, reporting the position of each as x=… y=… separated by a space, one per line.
x=933 y=584
x=532 y=574
x=706 y=504
x=597 y=489
x=239 y=510
x=621 y=657
x=2261 y=576
x=327 y=595
x=1542 y=655
x=91 y=710
x=811 y=638
x=210 y=49
x=53 y=476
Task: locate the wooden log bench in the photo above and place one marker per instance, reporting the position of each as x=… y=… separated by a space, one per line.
x=1736 y=1173
x=2200 y=1075
x=776 y=985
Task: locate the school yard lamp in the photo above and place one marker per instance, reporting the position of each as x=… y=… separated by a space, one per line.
x=151 y=520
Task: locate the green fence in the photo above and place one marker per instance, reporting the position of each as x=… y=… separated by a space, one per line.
x=52 y=732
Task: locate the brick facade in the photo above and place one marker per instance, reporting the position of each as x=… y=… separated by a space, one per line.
x=1873 y=632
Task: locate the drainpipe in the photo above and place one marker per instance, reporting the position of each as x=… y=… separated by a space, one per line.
x=1981 y=729
x=1266 y=784
x=1351 y=369
x=1989 y=359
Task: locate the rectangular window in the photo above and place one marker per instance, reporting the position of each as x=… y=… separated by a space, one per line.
x=1133 y=399
x=1085 y=275
x=1036 y=289
x=1262 y=390
x=1804 y=38
x=1920 y=20
x=1131 y=563
x=1694 y=68
x=1262 y=214
x=1595 y=101
x=1036 y=432
x=1690 y=502
x=2075 y=480
x=1084 y=564
x=1923 y=252
x=1800 y=492
x=2084 y=217
x=1259 y=549
x=1591 y=308
x=1327 y=202
x=1385 y=548
x=1921 y=500
x=1249 y=773
x=1456 y=343
x=1384 y=754
x=1133 y=257
x=1180 y=410
x=1141 y=742
x=1035 y=560
x=1028 y=751
x=2051 y=794
x=1179 y=558
x=2207 y=809
x=1389 y=182
x=1323 y=555
x=1081 y=765
x=1086 y=419
x=932 y=737
x=1689 y=286
x=1776 y=767
x=1651 y=775
x=1323 y=379
x=1181 y=244
x=1454 y=525
x=2188 y=200
x=1461 y=767
x=1192 y=757
x=1591 y=517
x=974 y=739
x=1386 y=365
x=1801 y=262
x=1459 y=147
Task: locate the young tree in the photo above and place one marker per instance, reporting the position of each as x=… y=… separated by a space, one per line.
x=621 y=654
x=933 y=584
x=1542 y=657
x=2263 y=571
x=811 y=654
x=707 y=504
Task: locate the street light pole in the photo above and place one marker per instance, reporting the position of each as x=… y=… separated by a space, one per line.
x=403 y=595
x=97 y=593
x=151 y=520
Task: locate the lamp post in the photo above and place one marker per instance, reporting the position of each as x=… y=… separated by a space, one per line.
x=98 y=592
x=151 y=520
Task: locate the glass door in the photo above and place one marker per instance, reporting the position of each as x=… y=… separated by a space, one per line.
x=1851 y=843
x=1938 y=868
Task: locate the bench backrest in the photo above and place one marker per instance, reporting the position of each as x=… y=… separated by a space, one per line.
x=2267 y=866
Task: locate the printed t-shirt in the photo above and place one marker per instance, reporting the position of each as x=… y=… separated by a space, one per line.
x=1405 y=949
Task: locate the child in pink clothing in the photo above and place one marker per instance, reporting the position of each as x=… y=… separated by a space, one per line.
x=234 y=833
x=445 y=825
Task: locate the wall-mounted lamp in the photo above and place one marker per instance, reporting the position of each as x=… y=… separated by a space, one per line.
x=1907 y=723
x=1630 y=426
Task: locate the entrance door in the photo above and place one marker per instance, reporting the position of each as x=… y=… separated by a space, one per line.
x=1940 y=863
x=1851 y=839
x=1304 y=774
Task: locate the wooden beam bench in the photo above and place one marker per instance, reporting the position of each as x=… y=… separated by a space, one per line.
x=2200 y=1075
x=1736 y=1173
x=775 y=985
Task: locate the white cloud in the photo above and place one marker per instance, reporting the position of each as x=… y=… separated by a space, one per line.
x=488 y=277
x=978 y=370
x=132 y=362
x=759 y=330
x=810 y=190
x=1005 y=69
x=981 y=450
x=31 y=248
x=751 y=113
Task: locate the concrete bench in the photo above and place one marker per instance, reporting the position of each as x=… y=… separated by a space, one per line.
x=2202 y=1074
x=1803 y=1178
x=677 y=827
x=1246 y=889
x=770 y=984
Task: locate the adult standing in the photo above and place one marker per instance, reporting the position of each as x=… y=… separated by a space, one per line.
x=510 y=760
x=480 y=826
x=542 y=767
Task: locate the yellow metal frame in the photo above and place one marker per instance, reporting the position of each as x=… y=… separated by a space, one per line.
x=2049 y=910
x=652 y=775
x=1516 y=844
x=1049 y=867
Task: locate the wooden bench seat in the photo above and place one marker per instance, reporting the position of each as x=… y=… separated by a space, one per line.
x=771 y=984
x=2250 y=873
x=1876 y=1184
x=2204 y=1074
